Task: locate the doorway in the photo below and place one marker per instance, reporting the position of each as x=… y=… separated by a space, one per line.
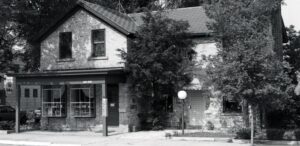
x=113 y=104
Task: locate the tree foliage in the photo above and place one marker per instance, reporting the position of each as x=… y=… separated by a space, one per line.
x=291 y=52
x=160 y=55
x=246 y=66
x=8 y=37
x=159 y=62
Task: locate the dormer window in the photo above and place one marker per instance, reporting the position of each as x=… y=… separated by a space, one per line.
x=98 y=43
x=65 y=45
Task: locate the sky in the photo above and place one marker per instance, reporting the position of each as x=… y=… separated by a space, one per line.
x=291 y=13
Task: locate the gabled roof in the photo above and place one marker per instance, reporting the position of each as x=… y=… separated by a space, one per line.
x=195 y=16
x=128 y=24
x=119 y=21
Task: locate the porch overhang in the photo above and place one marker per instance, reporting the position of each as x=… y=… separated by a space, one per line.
x=195 y=85
x=84 y=76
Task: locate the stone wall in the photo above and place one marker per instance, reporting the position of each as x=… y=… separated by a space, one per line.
x=81 y=24
x=128 y=109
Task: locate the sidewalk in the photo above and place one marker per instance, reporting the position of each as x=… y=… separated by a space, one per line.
x=145 y=138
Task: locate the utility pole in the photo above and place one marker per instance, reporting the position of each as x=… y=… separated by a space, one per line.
x=252 y=125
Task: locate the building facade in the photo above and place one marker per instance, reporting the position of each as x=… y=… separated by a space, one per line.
x=80 y=66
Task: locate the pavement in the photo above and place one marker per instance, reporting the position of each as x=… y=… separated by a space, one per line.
x=145 y=138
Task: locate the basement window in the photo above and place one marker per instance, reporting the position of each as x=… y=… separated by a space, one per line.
x=231 y=105
x=82 y=102
x=54 y=102
x=65 y=45
x=98 y=43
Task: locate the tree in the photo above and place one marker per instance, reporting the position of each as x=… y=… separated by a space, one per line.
x=291 y=51
x=8 y=38
x=159 y=61
x=246 y=67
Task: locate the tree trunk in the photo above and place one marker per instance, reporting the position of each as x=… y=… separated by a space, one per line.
x=245 y=110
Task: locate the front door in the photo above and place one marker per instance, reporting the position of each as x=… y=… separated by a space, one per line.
x=113 y=104
x=197 y=106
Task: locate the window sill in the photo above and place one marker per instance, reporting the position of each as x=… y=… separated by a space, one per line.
x=66 y=60
x=54 y=116
x=98 y=58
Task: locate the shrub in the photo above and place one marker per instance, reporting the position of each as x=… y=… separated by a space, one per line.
x=297 y=134
x=244 y=133
x=7 y=125
x=275 y=134
x=210 y=126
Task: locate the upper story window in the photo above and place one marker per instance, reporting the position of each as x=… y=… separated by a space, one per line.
x=98 y=43
x=65 y=45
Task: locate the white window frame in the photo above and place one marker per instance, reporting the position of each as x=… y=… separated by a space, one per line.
x=90 y=104
x=52 y=103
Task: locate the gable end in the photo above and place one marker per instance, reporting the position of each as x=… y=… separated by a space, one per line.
x=79 y=6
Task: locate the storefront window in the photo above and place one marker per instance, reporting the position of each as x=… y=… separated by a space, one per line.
x=54 y=102
x=82 y=102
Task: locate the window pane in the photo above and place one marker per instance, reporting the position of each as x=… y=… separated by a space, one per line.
x=99 y=50
x=65 y=45
x=35 y=93
x=27 y=93
x=54 y=101
x=56 y=95
x=82 y=103
x=231 y=106
x=98 y=43
x=98 y=35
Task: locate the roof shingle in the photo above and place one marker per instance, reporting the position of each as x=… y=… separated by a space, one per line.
x=195 y=16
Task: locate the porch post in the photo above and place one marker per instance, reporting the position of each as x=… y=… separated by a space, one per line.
x=17 y=119
x=104 y=110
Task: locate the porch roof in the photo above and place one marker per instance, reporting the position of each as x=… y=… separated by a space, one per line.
x=194 y=85
x=78 y=72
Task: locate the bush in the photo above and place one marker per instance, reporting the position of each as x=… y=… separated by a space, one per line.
x=275 y=134
x=209 y=125
x=7 y=125
x=244 y=133
x=297 y=134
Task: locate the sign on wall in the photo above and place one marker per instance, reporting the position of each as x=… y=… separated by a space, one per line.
x=104 y=107
x=8 y=84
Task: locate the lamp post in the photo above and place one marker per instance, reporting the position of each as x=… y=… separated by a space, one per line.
x=182 y=95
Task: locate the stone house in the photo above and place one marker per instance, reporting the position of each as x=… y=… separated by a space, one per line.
x=80 y=65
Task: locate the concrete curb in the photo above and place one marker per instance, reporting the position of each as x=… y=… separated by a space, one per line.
x=238 y=141
x=215 y=139
x=268 y=142
x=278 y=142
x=34 y=143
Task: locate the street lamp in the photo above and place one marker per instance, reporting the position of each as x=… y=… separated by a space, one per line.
x=182 y=95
